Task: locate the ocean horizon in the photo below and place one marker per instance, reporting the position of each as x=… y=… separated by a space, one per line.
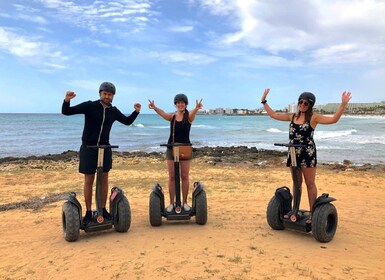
x=358 y=139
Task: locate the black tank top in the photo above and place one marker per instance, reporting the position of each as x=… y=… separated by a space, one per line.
x=182 y=131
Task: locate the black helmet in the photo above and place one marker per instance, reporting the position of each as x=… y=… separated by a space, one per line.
x=181 y=97
x=307 y=95
x=107 y=86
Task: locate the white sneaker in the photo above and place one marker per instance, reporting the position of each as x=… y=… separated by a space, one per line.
x=170 y=208
x=186 y=207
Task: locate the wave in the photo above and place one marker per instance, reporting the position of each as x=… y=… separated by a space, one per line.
x=333 y=134
x=275 y=130
x=138 y=125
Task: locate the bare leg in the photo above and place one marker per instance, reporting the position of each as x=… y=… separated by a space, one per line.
x=104 y=188
x=171 y=180
x=309 y=175
x=88 y=183
x=185 y=170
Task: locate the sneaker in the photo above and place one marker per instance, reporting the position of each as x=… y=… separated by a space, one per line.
x=186 y=207
x=87 y=218
x=170 y=208
x=106 y=215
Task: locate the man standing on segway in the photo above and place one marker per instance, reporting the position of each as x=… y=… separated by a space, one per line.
x=99 y=116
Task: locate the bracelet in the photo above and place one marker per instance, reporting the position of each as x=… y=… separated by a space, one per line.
x=263 y=101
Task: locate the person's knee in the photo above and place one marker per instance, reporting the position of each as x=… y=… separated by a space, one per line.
x=185 y=177
x=171 y=177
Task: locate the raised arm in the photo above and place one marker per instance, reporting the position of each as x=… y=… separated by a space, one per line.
x=66 y=108
x=159 y=111
x=271 y=112
x=321 y=119
x=194 y=111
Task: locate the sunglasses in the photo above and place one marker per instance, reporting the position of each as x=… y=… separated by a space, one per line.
x=305 y=103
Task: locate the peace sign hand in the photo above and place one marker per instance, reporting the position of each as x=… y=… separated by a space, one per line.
x=199 y=104
x=151 y=105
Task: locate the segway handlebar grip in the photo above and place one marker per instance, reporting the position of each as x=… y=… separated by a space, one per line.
x=175 y=145
x=289 y=145
x=102 y=146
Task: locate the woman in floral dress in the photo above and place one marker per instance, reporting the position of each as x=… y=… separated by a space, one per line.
x=301 y=130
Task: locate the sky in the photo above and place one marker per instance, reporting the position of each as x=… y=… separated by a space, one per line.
x=224 y=51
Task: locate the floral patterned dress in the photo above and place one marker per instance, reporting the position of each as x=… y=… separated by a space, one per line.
x=303 y=134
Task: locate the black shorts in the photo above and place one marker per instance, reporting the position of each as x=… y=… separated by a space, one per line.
x=88 y=160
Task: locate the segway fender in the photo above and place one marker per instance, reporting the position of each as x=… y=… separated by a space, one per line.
x=284 y=196
x=198 y=188
x=324 y=198
x=157 y=190
x=116 y=195
x=71 y=197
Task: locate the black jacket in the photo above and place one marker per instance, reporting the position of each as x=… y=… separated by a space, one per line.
x=98 y=120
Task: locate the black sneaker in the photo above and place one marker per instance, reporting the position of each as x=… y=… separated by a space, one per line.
x=106 y=215
x=87 y=218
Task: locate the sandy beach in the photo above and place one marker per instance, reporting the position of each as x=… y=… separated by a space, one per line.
x=236 y=242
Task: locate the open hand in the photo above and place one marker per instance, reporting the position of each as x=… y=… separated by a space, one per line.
x=346 y=96
x=265 y=93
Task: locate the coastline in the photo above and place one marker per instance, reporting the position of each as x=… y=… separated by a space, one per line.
x=235 y=155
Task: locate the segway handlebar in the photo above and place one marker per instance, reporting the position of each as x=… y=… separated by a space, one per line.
x=175 y=145
x=289 y=145
x=102 y=146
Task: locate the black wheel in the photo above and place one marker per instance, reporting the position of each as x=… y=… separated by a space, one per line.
x=324 y=222
x=201 y=208
x=70 y=222
x=273 y=214
x=122 y=221
x=155 y=210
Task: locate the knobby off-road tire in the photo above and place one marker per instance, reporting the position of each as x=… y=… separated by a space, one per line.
x=123 y=220
x=324 y=222
x=273 y=214
x=70 y=222
x=155 y=210
x=201 y=208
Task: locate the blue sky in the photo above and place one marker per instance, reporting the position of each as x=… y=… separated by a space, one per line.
x=224 y=51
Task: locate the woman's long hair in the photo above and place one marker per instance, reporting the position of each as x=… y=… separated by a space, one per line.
x=186 y=116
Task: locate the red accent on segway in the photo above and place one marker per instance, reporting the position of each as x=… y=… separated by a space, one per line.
x=113 y=195
x=178 y=209
x=293 y=218
x=100 y=219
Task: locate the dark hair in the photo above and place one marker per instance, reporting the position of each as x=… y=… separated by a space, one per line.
x=185 y=116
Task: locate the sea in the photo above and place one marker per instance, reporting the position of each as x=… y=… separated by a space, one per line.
x=358 y=139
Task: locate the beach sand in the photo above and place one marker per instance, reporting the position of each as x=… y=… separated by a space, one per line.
x=236 y=242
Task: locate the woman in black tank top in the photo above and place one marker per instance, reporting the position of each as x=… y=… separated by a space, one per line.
x=301 y=130
x=180 y=125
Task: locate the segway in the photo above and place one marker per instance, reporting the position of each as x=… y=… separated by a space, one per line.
x=157 y=208
x=120 y=210
x=324 y=217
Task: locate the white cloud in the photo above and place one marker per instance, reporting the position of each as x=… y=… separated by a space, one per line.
x=183 y=57
x=182 y=73
x=320 y=29
x=96 y=15
x=31 y=49
x=181 y=28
